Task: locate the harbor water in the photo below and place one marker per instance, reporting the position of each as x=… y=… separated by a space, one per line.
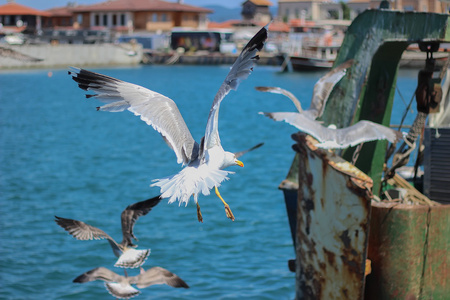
x=59 y=156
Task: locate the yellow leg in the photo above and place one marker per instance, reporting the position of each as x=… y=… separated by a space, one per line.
x=227 y=207
x=199 y=214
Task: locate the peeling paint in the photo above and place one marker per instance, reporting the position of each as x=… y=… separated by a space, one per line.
x=332 y=224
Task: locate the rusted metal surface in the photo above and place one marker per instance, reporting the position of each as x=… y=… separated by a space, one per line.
x=409 y=247
x=289 y=186
x=332 y=224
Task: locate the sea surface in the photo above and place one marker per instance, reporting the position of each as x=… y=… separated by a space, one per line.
x=59 y=156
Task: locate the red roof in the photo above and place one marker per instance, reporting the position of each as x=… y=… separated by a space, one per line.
x=226 y=24
x=299 y=23
x=13 y=8
x=63 y=11
x=279 y=27
x=140 y=5
x=261 y=2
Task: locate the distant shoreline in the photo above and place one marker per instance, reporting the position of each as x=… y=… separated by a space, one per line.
x=110 y=55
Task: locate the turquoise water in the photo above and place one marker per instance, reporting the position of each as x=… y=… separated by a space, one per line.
x=59 y=156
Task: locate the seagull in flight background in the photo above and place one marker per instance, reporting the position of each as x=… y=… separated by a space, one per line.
x=205 y=162
x=128 y=257
x=322 y=90
x=329 y=137
x=120 y=286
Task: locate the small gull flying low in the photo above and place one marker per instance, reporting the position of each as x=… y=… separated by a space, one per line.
x=120 y=286
x=128 y=256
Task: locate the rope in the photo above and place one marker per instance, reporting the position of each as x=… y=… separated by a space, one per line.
x=417 y=127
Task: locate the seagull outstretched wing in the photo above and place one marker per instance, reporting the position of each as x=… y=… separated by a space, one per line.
x=153 y=108
x=131 y=214
x=363 y=131
x=240 y=70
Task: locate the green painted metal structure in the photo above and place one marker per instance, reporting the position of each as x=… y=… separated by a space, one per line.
x=375 y=41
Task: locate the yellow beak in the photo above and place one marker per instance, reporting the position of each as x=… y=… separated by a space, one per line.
x=239 y=163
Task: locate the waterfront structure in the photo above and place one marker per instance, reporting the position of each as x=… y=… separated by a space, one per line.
x=309 y=10
x=15 y=17
x=59 y=17
x=433 y=6
x=139 y=15
x=357 y=6
x=256 y=10
x=327 y=9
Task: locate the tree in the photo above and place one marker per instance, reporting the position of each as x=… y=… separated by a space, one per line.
x=345 y=10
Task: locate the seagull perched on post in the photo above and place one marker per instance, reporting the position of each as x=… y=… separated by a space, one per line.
x=128 y=257
x=329 y=137
x=120 y=286
x=205 y=162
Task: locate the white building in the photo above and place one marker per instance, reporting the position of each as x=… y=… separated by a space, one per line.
x=309 y=10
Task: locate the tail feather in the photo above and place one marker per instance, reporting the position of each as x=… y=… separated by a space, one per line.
x=190 y=181
x=132 y=258
x=121 y=291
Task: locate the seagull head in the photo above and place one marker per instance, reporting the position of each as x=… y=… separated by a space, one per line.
x=238 y=162
x=231 y=160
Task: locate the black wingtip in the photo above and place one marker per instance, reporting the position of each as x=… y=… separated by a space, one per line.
x=258 y=40
x=257 y=146
x=80 y=279
x=179 y=283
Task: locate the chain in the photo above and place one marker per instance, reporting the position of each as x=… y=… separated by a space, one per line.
x=356 y=153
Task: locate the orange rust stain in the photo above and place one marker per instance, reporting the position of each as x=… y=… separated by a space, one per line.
x=368 y=267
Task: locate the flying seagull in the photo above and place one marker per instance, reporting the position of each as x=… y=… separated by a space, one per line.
x=11 y=53
x=205 y=162
x=128 y=257
x=329 y=137
x=120 y=286
x=322 y=90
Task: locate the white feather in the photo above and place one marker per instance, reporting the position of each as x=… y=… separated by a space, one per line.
x=132 y=258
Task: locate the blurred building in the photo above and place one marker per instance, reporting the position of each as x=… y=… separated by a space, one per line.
x=59 y=17
x=139 y=15
x=326 y=9
x=256 y=11
x=17 y=18
x=309 y=10
x=357 y=6
x=433 y=6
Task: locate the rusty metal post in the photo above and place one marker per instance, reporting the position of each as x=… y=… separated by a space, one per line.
x=332 y=224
